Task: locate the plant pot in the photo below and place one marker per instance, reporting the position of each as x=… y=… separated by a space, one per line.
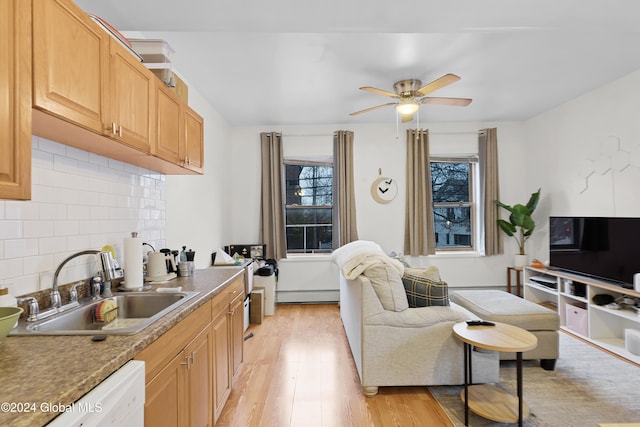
x=520 y=260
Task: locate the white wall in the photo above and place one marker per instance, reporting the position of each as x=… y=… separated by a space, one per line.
x=586 y=155
x=378 y=146
x=198 y=215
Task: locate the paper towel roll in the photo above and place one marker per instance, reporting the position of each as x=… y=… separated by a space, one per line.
x=133 y=262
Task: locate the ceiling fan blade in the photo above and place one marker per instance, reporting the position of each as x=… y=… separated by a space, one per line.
x=439 y=83
x=355 y=113
x=379 y=91
x=458 y=102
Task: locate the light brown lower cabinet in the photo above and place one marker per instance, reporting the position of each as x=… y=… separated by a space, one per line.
x=226 y=336
x=222 y=377
x=190 y=369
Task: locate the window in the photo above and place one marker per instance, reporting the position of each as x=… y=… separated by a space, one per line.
x=453 y=202
x=309 y=206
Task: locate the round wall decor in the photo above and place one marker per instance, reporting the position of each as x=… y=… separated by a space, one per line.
x=384 y=189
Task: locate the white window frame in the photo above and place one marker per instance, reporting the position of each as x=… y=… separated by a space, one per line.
x=324 y=161
x=474 y=195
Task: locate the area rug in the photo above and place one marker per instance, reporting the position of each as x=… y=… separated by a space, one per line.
x=587 y=387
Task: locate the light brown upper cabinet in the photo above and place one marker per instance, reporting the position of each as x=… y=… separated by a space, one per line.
x=180 y=131
x=83 y=75
x=70 y=64
x=169 y=122
x=194 y=140
x=131 y=100
x=15 y=99
x=90 y=92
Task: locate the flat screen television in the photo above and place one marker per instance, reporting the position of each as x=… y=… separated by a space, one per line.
x=598 y=247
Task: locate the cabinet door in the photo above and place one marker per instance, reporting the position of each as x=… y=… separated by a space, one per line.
x=164 y=402
x=199 y=385
x=70 y=63
x=237 y=330
x=15 y=99
x=193 y=156
x=132 y=94
x=221 y=374
x=169 y=122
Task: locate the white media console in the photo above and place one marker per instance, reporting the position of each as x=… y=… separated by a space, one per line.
x=572 y=296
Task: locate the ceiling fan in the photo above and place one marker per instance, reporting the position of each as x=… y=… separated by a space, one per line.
x=410 y=94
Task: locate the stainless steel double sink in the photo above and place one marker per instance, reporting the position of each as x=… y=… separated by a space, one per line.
x=135 y=311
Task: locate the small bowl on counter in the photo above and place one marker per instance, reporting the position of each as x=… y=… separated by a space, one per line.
x=8 y=319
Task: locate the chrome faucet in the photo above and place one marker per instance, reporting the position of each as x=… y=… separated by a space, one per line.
x=56 y=301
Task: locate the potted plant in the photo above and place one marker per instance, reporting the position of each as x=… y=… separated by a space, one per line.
x=520 y=225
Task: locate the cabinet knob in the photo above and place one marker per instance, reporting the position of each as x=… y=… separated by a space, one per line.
x=188 y=361
x=115 y=130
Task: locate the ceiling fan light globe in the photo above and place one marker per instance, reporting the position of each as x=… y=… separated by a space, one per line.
x=407 y=108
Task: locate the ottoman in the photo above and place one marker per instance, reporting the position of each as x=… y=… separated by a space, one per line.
x=500 y=306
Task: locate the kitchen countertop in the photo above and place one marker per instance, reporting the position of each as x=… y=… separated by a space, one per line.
x=38 y=374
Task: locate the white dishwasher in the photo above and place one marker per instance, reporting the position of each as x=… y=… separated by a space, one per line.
x=116 y=401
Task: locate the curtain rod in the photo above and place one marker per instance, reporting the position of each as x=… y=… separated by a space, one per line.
x=307 y=134
x=479 y=132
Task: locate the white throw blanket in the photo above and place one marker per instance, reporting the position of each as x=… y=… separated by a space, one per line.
x=355 y=257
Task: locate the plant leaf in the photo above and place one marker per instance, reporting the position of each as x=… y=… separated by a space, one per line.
x=533 y=201
x=502 y=205
x=507 y=227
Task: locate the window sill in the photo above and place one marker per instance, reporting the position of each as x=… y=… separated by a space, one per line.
x=458 y=254
x=307 y=257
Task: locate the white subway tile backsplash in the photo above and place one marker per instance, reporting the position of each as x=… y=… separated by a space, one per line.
x=95 y=159
x=52 y=211
x=74 y=153
x=77 y=212
x=79 y=201
x=65 y=228
x=38 y=264
x=38 y=229
x=79 y=242
x=24 y=284
x=11 y=229
x=53 y=178
x=26 y=210
x=52 y=147
x=19 y=248
x=52 y=245
x=10 y=267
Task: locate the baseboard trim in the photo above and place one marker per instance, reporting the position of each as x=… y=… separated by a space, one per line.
x=308 y=296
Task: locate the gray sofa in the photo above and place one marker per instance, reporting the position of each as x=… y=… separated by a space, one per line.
x=393 y=344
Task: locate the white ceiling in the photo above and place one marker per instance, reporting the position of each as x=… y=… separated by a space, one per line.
x=301 y=62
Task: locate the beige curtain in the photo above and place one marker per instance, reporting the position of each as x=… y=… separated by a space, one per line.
x=419 y=236
x=272 y=223
x=490 y=190
x=344 y=194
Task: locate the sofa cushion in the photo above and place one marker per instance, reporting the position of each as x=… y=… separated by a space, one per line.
x=501 y=306
x=423 y=291
x=419 y=317
x=387 y=284
x=432 y=272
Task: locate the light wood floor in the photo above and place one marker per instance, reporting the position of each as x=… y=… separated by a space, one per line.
x=298 y=372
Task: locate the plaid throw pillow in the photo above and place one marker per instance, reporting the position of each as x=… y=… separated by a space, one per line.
x=425 y=292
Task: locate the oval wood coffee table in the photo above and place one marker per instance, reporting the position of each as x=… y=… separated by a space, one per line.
x=483 y=399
